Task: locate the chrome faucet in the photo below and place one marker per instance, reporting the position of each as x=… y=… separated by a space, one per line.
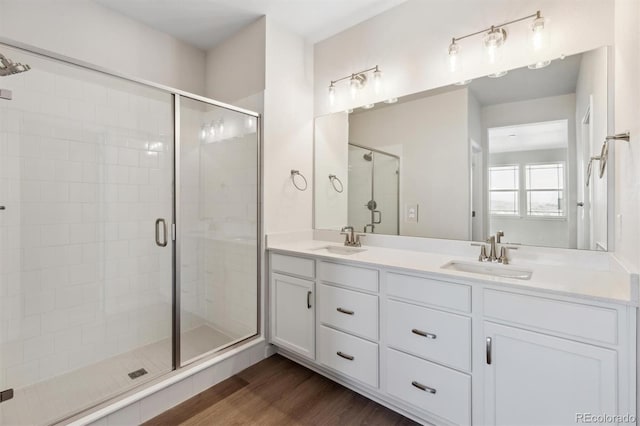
x=351 y=239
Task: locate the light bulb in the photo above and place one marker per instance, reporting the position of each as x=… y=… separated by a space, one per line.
x=454 y=56
x=332 y=94
x=537 y=32
x=203 y=132
x=221 y=127
x=368 y=106
x=377 y=80
x=354 y=86
x=493 y=40
x=540 y=64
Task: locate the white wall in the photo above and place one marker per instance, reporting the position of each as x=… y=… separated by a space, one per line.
x=409 y=42
x=288 y=130
x=331 y=158
x=535 y=111
x=433 y=132
x=235 y=67
x=87 y=31
x=627 y=113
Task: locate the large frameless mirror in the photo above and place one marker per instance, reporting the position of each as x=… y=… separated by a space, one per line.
x=510 y=154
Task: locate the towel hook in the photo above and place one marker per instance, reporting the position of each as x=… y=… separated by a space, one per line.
x=333 y=179
x=295 y=173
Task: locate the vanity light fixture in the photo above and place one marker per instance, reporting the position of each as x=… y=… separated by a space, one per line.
x=538 y=65
x=357 y=82
x=203 y=132
x=391 y=101
x=368 y=106
x=494 y=38
x=463 y=82
x=349 y=111
x=454 y=56
x=498 y=74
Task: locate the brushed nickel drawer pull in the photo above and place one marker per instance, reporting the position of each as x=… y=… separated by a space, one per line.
x=424 y=334
x=345 y=311
x=345 y=356
x=423 y=387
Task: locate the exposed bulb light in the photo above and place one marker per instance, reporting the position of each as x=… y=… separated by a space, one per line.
x=538 y=33
x=538 y=65
x=203 y=133
x=463 y=82
x=349 y=111
x=221 y=127
x=332 y=94
x=368 y=106
x=354 y=86
x=498 y=74
x=493 y=40
x=377 y=80
x=454 y=56
x=391 y=101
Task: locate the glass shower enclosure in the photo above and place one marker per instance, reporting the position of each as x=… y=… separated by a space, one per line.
x=374 y=195
x=129 y=233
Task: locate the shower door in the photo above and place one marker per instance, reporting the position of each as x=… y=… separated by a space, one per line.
x=373 y=190
x=86 y=164
x=217 y=217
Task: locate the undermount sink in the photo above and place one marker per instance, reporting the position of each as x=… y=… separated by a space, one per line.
x=502 y=271
x=342 y=250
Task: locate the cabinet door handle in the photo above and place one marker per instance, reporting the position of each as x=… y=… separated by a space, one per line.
x=488 y=349
x=423 y=387
x=345 y=356
x=309 y=300
x=345 y=311
x=424 y=334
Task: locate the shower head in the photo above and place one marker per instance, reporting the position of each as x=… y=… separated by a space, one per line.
x=368 y=156
x=8 y=67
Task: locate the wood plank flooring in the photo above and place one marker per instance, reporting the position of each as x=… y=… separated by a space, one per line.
x=279 y=392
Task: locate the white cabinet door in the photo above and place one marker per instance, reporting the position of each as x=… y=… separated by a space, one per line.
x=293 y=314
x=536 y=379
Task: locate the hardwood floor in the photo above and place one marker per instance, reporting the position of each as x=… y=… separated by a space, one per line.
x=278 y=391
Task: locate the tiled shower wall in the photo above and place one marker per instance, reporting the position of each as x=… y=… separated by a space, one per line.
x=85 y=169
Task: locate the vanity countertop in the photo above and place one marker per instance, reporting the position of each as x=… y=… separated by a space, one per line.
x=605 y=286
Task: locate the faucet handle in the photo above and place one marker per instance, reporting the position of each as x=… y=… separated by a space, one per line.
x=503 y=256
x=483 y=253
x=357 y=237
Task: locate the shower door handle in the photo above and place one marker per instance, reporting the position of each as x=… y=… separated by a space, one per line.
x=162 y=243
x=379 y=221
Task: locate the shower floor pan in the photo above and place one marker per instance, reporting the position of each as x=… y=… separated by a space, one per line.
x=50 y=400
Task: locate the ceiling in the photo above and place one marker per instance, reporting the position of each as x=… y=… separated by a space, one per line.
x=529 y=137
x=205 y=23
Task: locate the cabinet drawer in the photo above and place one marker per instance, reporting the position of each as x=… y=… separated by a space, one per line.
x=348 y=310
x=351 y=356
x=438 y=336
x=293 y=265
x=572 y=319
x=432 y=292
x=429 y=387
x=352 y=276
